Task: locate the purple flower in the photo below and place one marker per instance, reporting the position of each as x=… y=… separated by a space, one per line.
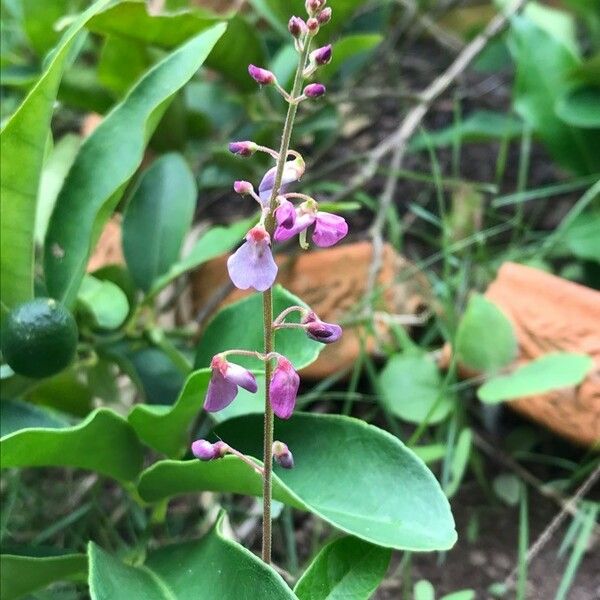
x=318 y=330
x=243 y=187
x=296 y=26
x=283 y=388
x=252 y=265
x=292 y=171
x=329 y=228
x=321 y=56
x=223 y=385
x=324 y=16
x=285 y=213
x=204 y=450
x=314 y=90
x=313 y=26
x=282 y=455
x=243 y=148
x=261 y=76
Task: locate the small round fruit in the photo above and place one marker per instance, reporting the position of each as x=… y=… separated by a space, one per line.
x=39 y=338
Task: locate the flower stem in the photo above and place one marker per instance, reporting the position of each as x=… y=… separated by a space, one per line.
x=268 y=308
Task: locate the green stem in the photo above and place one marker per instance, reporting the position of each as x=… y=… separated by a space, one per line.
x=268 y=307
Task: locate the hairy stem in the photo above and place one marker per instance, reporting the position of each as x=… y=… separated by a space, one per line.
x=268 y=307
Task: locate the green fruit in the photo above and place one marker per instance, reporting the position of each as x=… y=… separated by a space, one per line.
x=39 y=338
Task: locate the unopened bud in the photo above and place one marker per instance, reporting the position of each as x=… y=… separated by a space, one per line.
x=204 y=450
x=321 y=56
x=314 y=90
x=324 y=16
x=243 y=187
x=282 y=455
x=243 y=148
x=261 y=76
x=318 y=330
x=297 y=27
x=313 y=26
x=313 y=6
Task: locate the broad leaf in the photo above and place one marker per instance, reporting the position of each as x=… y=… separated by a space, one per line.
x=22 y=575
x=240 y=326
x=206 y=569
x=22 y=147
x=104 y=442
x=357 y=477
x=549 y=372
x=158 y=216
x=485 y=339
x=65 y=392
x=580 y=107
x=411 y=386
x=345 y=568
x=106 y=162
x=16 y=415
x=104 y=302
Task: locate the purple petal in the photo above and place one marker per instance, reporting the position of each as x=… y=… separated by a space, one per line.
x=252 y=266
x=285 y=213
x=241 y=377
x=220 y=394
x=302 y=222
x=284 y=389
x=292 y=171
x=326 y=333
x=204 y=450
x=329 y=229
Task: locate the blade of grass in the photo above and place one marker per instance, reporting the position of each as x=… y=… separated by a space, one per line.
x=521 y=591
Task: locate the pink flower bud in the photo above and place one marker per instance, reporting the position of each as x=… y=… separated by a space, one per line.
x=318 y=330
x=297 y=26
x=313 y=26
x=282 y=455
x=283 y=388
x=313 y=6
x=204 y=450
x=314 y=90
x=261 y=76
x=243 y=148
x=321 y=56
x=243 y=187
x=324 y=16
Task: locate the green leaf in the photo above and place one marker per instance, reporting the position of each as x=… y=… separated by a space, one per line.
x=104 y=301
x=239 y=46
x=460 y=595
x=348 y=48
x=106 y=162
x=22 y=575
x=460 y=458
x=358 y=478
x=508 y=488
x=104 y=442
x=423 y=590
x=122 y=62
x=240 y=326
x=411 y=386
x=581 y=236
x=543 y=53
x=580 y=107
x=22 y=148
x=345 y=568
x=481 y=125
x=206 y=569
x=16 y=415
x=549 y=372
x=158 y=216
x=485 y=339
x=213 y=243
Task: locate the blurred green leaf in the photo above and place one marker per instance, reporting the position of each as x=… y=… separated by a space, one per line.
x=507 y=487
x=121 y=63
x=424 y=590
x=16 y=415
x=206 y=569
x=347 y=49
x=22 y=149
x=549 y=372
x=22 y=575
x=158 y=216
x=543 y=50
x=106 y=162
x=580 y=107
x=485 y=339
x=345 y=568
x=411 y=386
x=582 y=238
x=240 y=326
x=460 y=458
x=481 y=125
x=64 y=392
x=394 y=501
x=104 y=443
x=104 y=302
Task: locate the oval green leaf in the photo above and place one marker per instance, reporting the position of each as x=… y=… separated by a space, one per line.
x=157 y=218
x=549 y=372
x=357 y=477
x=345 y=568
x=206 y=569
x=104 y=443
x=104 y=301
x=106 y=162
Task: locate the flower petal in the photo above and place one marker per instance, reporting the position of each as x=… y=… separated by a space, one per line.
x=285 y=213
x=252 y=266
x=292 y=171
x=241 y=377
x=220 y=394
x=302 y=222
x=284 y=389
x=329 y=229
